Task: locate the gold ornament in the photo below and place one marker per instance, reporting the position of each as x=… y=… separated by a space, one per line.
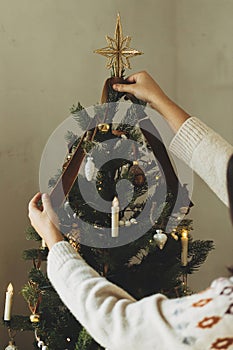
x=103 y=128
x=118 y=50
x=35 y=318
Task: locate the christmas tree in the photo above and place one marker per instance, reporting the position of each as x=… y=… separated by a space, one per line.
x=121 y=206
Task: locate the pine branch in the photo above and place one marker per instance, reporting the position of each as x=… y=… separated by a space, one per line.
x=20 y=323
x=38 y=277
x=71 y=138
x=84 y=340
x=198 y=252
x=31 y=234
x=81 y=116
x=35 y=254
x=52 y=182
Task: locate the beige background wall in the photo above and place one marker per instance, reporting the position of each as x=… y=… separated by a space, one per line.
x=46 y=65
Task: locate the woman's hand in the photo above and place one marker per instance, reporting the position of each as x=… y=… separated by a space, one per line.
x=44 y=219
x=144 y=87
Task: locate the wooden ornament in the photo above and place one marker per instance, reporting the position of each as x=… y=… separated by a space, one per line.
x=137 y=174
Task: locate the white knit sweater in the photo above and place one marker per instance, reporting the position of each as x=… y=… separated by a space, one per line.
x=119 y=322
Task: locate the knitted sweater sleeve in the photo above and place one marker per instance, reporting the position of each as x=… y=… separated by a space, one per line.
x=112 y=316
x=206 y=152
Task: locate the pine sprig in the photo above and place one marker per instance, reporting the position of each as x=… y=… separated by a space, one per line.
x=198 y=252
x=81 y=116
x=21 y=323
x=31 y=293
x=52 y=181
x=31 y=234
x=35 y=254
x=84 y=340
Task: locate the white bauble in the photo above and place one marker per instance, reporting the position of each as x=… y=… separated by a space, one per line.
x=127 y=223
x=11 y=346
x=40 y=343
x=160 y=238
x=89 y=168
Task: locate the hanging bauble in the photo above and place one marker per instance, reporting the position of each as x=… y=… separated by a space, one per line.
x=11 y=346
x=68 y=209
x=35 y=318
x=89 y=168
x=137 y=174
x=127 y=223
x=103 y=128
x=160 y=238
x=40 y=344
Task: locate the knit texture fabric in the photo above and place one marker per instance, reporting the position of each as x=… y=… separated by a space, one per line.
x=118 y=322
x=205 y=152
x=114 y=318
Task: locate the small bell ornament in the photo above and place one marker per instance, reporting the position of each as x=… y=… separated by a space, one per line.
x=160 y=238
x=11 y=346
x=103 y=128
x=89 y=168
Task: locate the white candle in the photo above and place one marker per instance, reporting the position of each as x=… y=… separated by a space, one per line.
x=43 y=243
x=8 y=303
x=184 y=252
x=115 y=217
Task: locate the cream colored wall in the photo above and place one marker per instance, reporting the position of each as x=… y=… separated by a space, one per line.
x=204 y=81
x=46 y=64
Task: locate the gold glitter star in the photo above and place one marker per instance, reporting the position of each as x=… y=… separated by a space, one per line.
x=118 y=50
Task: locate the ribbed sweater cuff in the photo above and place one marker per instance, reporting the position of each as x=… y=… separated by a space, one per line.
x=60 y=253
x=188 y=138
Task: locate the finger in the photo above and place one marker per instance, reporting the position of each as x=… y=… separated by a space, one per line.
x=49 y=209
x=132 y=78
x=34 y=201
x=46 y=202
x=124 y=88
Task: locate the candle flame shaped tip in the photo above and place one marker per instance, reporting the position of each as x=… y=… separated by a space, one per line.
x=115 y=202
x=10 y=288
x=184 y=233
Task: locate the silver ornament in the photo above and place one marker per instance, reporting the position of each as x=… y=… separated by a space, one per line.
x=160 y=238
x=68 y=209
x=45 y=347
x=40 y=343
x=89 y=168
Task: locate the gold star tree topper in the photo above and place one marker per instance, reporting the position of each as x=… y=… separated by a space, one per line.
x=118 y=51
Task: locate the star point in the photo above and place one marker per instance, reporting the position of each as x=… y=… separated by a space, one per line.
x=118 y=51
